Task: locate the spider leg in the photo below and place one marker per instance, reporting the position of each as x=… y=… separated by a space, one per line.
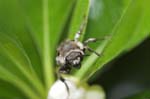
x=63 y=80
x=89 y=40
x=91 y=50
x=82 y=27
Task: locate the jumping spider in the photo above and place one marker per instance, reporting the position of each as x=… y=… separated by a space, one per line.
x=70 y=53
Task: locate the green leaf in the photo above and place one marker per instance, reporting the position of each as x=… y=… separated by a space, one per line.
x=13 y=24
x=142 y=31
x=46 y=19
x=22 y=50
x=33 y=29
x=11 y=49
x=8 y=91
x=135 y=14
x=7 y=76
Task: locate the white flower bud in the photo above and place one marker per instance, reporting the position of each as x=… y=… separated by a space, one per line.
x=59 y=91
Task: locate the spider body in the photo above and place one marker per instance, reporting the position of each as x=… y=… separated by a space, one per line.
x=70 y=54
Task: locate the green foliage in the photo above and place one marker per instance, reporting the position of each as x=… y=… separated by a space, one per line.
x=31 y=29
